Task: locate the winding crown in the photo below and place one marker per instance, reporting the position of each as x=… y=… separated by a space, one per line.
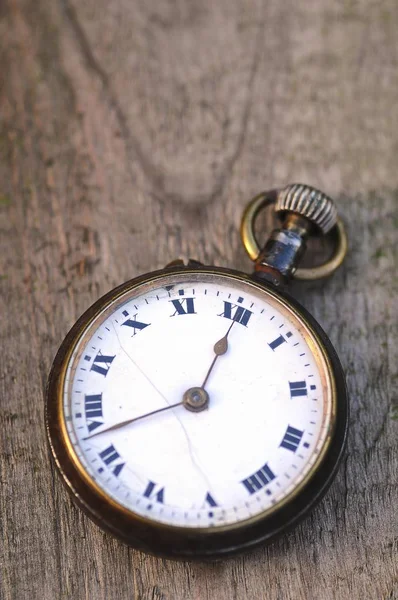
x=309 y=203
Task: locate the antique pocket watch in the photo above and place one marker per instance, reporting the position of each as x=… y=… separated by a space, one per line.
x=195 y=411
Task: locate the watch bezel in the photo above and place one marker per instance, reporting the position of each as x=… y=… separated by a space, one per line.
x=181 y=542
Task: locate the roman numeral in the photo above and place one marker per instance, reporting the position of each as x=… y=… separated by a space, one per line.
x=136 y=325
x=236 y=313
x=259 y=479
x=183 y=307
x=102 y=363
x=93 y=409
x=210 y=500
x=292 y=438
x=298 y=388
x=276 y=343
x=109 y=456
x=151 y=492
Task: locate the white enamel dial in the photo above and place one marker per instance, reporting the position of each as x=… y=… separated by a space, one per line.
x=267 y=423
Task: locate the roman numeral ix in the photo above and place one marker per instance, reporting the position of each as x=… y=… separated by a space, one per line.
x=102 y=363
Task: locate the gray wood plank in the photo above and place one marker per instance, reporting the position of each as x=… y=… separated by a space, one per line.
x=133 y=133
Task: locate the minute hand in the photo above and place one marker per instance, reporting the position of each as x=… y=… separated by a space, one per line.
x=220 y=348
x=123 y=423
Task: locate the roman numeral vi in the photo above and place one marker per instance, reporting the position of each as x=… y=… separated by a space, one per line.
x=151 y=491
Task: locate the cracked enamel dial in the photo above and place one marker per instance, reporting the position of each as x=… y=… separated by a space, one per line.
x=265 y=412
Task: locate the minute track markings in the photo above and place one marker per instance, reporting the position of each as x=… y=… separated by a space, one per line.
x=155 y=317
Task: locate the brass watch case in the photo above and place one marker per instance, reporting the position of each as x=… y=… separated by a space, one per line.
x=181 y=542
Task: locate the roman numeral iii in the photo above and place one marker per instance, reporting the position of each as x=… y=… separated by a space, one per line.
x=236 y=313
x=292 y=438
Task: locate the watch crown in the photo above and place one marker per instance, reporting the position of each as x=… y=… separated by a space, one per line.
x=309 y=203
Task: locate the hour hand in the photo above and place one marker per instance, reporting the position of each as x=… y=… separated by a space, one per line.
x=219 y=348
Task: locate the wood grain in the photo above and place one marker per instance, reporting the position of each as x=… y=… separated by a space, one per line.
x=133 y=132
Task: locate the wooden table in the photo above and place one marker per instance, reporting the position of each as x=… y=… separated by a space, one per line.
x=133 y=132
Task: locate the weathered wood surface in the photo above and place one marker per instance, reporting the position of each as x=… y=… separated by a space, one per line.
x=132 y=132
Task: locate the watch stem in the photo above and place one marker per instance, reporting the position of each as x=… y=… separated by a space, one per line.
x=304 y=211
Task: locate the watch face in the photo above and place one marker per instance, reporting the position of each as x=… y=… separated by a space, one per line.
x=253 y=393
